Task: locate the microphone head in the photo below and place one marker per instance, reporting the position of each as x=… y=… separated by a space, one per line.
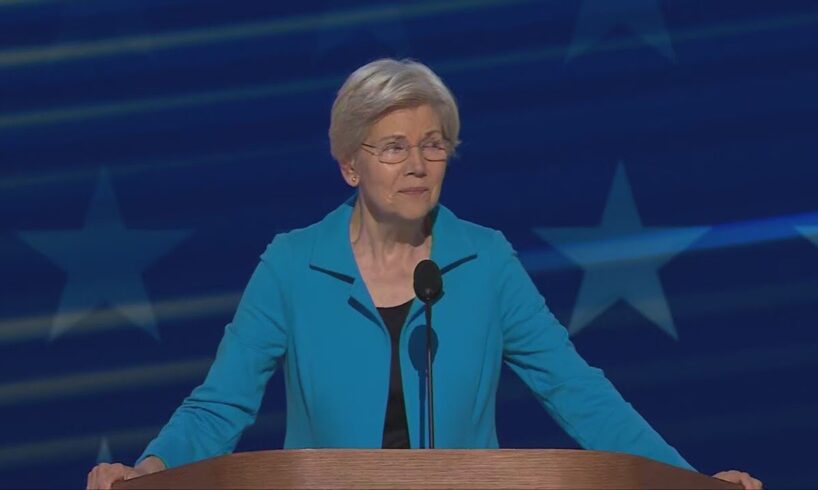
x=428 y=281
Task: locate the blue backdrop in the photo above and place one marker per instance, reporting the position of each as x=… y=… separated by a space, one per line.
x=654 y=162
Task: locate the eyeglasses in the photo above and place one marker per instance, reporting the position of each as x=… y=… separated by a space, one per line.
x=397 y=151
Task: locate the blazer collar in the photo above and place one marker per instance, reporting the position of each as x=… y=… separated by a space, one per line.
x=332 y=252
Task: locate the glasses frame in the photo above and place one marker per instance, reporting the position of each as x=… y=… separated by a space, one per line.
x=378 y=152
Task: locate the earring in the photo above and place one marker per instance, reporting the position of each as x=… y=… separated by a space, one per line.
x=354 y=178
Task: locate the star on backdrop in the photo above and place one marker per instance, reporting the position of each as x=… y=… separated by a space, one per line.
x=597 y=18
x=104 y=262
x=621 y=258
x=809 y=232
x=104 y=453
x=388 y=34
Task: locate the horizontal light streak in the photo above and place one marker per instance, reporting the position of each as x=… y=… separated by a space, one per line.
x=85 y=447
x=651 y=245
x=208 y=35
x=650 y=374
x=621 y=250
x=154 y=104
x=744 y=422
x=72 y=448
x=16 y=3
x=23 y=119
x=23 y=329
x=104 y=381
x=720 y=364
x=123 y=168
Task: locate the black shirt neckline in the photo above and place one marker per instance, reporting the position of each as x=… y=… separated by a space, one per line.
x=395 y=431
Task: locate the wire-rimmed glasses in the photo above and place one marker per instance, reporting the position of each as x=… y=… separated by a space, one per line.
x=397 y=151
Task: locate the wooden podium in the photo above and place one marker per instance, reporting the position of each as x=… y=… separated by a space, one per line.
x=427 y=468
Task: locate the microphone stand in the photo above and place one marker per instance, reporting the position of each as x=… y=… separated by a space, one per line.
x=429 y=385
x=428 y=284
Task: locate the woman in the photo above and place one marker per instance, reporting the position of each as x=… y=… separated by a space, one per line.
x=329 y=300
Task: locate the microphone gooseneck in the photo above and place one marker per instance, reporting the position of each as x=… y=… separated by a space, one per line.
x=428 y=283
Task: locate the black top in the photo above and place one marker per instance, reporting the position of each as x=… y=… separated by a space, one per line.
x=395 y=430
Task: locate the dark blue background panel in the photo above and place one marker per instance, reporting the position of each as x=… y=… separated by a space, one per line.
x=653 y=162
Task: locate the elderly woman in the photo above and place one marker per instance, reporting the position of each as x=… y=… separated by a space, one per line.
x=334 y=304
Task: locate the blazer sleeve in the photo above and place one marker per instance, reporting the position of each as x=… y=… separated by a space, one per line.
x=211 y=419
x=579 y=397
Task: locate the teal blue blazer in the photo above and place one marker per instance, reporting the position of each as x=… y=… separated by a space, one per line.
x=306 y=309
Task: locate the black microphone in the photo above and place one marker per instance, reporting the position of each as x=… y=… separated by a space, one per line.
x=428 y=286
x=428 y=281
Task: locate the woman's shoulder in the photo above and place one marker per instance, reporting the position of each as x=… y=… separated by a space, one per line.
x=292 y=244
x=483 y=238
x=298 y=244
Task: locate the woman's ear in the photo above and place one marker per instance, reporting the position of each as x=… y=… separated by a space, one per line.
x=349 y=173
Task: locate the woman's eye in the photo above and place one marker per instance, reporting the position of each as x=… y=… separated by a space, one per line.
x=393 y=147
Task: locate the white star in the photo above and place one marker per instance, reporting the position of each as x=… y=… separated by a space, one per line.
x=599 y=17
x=104 y=262
x=621 y=258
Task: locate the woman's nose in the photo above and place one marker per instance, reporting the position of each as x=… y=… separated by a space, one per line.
x=415 y=163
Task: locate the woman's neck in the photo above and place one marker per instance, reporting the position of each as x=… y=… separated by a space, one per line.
x=385 y=243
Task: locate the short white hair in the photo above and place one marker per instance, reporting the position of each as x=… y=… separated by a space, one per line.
x=380 y=87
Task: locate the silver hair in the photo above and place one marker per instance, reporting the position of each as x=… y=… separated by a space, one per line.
x=380 y=87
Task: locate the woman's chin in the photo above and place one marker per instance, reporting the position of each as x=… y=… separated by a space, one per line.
x=415 y=213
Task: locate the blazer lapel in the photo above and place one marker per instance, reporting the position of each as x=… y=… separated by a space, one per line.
x=451 y=248
x=332 y=255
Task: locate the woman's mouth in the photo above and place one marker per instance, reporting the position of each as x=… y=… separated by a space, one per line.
x=414 y=191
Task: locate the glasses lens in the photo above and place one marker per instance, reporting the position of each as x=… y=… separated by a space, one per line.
x=434 y=153
x=394 y=155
